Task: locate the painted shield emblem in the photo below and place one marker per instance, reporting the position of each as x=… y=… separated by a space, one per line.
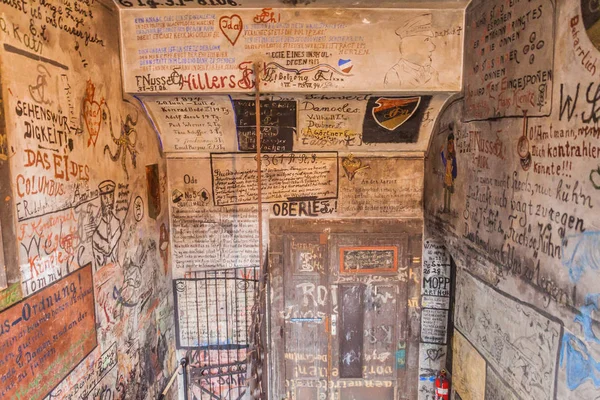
x=392 y=113
x=590 y=15
x=345 y=65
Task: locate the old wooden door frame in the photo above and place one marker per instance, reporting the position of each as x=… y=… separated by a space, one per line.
x=412 y=227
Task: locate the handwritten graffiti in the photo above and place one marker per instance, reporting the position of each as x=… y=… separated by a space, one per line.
x=50 y=248
x=105 y=239
x=60 y=242
x=435 y=354
x=93 y=113
x=232 y=27
x=568 y=104
x=267 y=16
x=595 y=178
x=68 y=103
x=126 y=142
x=426 y=392
x=38 y=90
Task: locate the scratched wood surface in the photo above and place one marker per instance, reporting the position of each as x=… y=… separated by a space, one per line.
x=334 y=332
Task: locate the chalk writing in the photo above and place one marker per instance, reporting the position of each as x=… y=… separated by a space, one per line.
x=368 y=259
x=434 y=325
x=277 y=125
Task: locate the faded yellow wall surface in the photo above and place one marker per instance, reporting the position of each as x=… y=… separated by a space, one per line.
x=468 y=370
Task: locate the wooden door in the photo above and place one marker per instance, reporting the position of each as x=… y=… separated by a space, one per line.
x=344 y=309
x=306 y=314
x=372 y=308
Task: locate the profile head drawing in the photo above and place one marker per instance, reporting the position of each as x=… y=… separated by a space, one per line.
x=450 y=167
x=415 y=44
x=107 y=196
x=450 y=145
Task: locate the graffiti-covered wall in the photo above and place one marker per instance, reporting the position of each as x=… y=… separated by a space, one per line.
x=214 y=229
x=511 y=188
x=311 y=50
x=326 y=155
x=87 y=312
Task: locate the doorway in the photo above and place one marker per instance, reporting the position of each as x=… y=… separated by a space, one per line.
x=342 y=326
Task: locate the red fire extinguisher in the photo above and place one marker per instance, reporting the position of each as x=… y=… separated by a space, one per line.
x=442 y=386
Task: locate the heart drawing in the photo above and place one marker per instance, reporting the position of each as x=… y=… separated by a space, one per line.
x=352 y=165
x=92 y=113
x=435 y=354
x=231 y=26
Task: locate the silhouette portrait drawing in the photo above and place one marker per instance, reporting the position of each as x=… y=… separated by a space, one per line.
x=416 y=47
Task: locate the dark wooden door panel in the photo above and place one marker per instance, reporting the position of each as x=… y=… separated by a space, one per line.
x=343 y=309
x=306 y=315
x=351 y=343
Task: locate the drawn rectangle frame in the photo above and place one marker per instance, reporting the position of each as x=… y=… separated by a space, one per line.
x=265 y=201
x=343 y=249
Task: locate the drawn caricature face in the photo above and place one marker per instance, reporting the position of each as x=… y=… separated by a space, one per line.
x=107 y=201
x=417 y=49
x=451 y=146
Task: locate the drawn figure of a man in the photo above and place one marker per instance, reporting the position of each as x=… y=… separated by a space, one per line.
x=416 y=49
x=450 y=169
x=105 y=239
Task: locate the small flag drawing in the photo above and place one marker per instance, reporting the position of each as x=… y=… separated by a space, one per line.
x=345 y=65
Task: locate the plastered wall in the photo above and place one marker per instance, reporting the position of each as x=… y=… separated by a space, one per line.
x=297 y=50
x=511 y=189
x=87 y=312
x=115 y=224
x=326 y=156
